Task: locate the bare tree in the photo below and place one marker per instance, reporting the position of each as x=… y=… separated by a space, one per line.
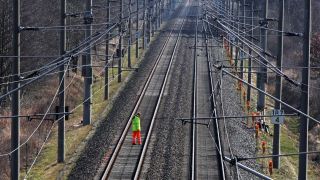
x=5 y=43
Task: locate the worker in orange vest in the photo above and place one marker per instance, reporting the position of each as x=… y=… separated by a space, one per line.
x=270 y=167
x=257 y=130
x=136 y=129
x=253 y=119
x=263 y=145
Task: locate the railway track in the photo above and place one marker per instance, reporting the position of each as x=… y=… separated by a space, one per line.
x=206 y=159
x=126 y=160
x=216 y=128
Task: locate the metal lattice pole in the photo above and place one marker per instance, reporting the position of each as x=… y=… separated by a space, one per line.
x=88 y=68
x=130 y=34
x=61 y=116
x=137 y=31
x=106 y=69
x=15 y=124
x=277 y=105
x=262 y=75
x=304 y=125
x=250 y=59
x=120 y=41
x=144 y=25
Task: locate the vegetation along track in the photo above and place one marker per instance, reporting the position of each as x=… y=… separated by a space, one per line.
x=126 y=160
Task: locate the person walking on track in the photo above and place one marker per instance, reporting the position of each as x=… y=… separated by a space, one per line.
x=136 y=129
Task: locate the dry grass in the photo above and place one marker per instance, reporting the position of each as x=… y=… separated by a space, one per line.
x=37 y=100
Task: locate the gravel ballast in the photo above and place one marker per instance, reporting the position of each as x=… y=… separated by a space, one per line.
x=170 y=154
x=241 y=138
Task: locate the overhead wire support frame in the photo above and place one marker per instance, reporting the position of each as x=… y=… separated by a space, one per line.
x=274 y=68
x=267 y=94
x=56 y=63
x=268 y=29
x=278 y=155
x=246 y=168
x=234 y=117
x=16 y=88
x=29 y=116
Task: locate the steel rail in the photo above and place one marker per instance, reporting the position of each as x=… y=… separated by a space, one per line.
x=215 y=120
x=194 y=111
x=126 y=129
